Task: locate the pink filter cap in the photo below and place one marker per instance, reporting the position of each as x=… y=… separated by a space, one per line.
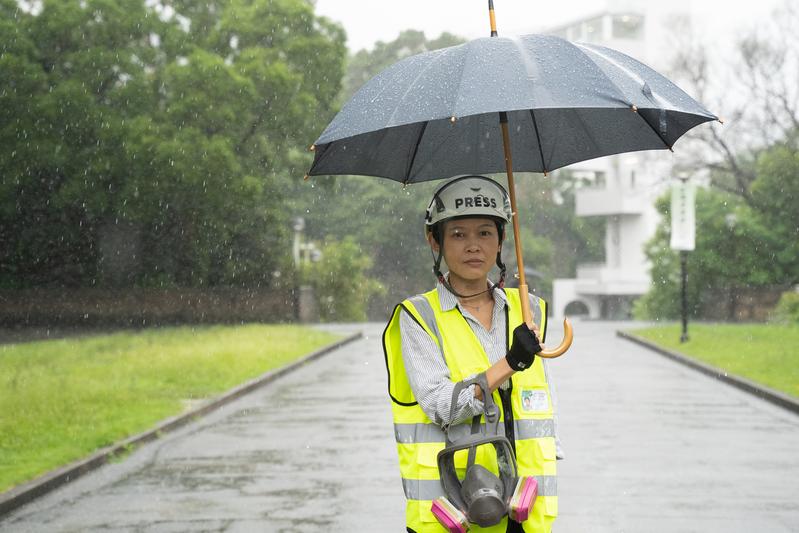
x=445 y=517
x=526 y=501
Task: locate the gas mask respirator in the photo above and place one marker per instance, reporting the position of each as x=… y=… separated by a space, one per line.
x=481 y=497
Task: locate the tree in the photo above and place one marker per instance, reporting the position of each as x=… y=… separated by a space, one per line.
x=386 y=223
x=341 y=284
x=748 y=221
x=755 y=87
x=775 y=196
x=153 y=143
x=740 y=244
x=735 y=250
x=62 y=131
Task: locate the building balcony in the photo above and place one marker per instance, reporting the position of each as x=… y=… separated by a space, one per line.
x=598 y=279
x=592 y=271
x=605 y=201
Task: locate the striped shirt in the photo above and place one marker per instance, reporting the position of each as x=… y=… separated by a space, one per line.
x=427 y=370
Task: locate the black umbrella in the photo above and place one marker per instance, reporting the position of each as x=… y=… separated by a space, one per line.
x=436 y=115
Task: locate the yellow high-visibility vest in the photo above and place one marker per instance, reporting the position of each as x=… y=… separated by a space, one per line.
x=419 y=440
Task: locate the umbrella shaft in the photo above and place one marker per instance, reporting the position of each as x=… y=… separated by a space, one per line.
x=492 y=18
x=523 y=290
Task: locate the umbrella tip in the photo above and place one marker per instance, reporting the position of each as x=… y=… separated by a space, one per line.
x=306 y=178
x=720 y=119
x=453 y=119
x=545 y=173
x=312 y=148
x=635 y=108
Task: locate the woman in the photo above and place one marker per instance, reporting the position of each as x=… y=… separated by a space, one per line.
x=465 y=326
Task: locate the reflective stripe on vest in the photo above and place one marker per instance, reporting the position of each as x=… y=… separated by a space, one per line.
x=523 y=429
x=430 y=489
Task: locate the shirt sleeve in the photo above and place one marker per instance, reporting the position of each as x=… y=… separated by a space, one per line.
x=429 y=376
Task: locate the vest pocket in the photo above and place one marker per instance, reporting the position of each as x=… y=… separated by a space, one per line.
x=537 y=456
x=427 y=457
x=427 y=463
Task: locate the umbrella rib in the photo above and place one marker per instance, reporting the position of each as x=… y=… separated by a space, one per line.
x=443 y=52
x=588 y=51
x=652 y=97
x=460 y=82
x=655 y=130
x=538 y=137
x=413 y=154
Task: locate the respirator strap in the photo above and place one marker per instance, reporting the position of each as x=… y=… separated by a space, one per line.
x=489 y=408
x=473 y=449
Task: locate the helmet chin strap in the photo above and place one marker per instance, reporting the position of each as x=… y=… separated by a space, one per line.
x=443 y=280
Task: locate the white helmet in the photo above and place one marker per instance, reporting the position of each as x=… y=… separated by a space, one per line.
x=468 y=196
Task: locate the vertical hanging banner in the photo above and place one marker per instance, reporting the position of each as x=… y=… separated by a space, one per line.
x=683 y=219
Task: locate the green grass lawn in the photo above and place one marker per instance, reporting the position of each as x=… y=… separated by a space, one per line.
x=764 y=353
x=62 y=399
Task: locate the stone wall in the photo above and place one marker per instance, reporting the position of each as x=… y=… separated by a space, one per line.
x=144 y=307
x=740 y=305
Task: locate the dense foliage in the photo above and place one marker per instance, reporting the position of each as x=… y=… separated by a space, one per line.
x=160 y=144
x=151 y=144
x=787 y=309
x=739 y=244
x=340 y=281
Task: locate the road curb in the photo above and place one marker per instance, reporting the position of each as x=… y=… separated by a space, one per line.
x=27 y=492
x=761 y=391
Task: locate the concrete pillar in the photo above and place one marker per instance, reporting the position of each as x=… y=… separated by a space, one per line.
x=308 y=310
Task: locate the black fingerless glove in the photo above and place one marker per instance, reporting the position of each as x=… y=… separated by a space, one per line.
x=523 y=348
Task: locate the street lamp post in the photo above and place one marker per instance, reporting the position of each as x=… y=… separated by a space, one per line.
x=731 y=221
x=298 y=225
x=684 y=297
x=683 y=237
x=304 y=252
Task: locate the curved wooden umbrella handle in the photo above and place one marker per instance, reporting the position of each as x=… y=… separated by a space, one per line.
x=568 y=336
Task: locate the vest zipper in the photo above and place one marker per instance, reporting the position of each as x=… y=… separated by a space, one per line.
x=505 y=395
x=507 y=413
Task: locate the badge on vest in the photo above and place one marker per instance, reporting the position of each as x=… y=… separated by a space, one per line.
x=535 y=401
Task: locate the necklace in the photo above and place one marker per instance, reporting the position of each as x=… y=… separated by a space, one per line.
x=475 y=307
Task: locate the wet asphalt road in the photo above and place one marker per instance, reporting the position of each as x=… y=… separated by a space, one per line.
x=651 y=446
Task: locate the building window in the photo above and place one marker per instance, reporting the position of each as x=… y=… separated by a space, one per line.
x=600 y=179
x=594 y=179
x=628 y=26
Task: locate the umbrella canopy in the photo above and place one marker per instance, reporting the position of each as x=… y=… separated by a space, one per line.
x=436 y=114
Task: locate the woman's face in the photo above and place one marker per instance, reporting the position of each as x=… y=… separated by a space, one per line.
x=470 y=247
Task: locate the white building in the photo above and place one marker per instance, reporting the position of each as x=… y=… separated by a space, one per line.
x=624 y=187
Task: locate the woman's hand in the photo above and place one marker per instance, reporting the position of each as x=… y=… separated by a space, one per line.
x=523 y=348
x=526 y=348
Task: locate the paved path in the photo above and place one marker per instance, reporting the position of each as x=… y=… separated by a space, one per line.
x=651 y=447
